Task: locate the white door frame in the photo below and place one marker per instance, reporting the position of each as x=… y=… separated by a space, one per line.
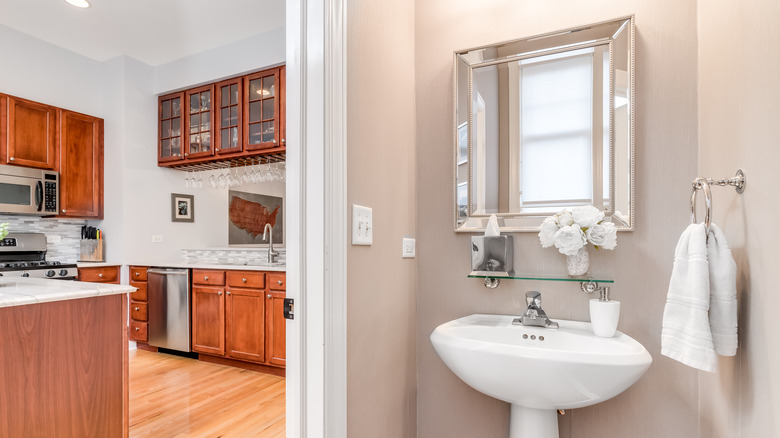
x=316 y=200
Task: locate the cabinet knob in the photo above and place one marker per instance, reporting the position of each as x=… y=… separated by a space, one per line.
x=269 y=295
x=137 y=309
x=274 y=141
x=136 y=329
x=137 y=274
x=12 y=158
x=280 y=282
x=206 y=278
x=244 y=280
x=100 y=275
x=216 y=149
x=227 y=293
x=64 y=211
x=219 y=292
x=186 y=155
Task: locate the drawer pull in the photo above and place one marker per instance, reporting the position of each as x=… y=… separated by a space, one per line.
x=137 y=309
x=244 y=280
x=137 y=274
x=228 y=292
x=219 y=292
x=100 y=275
x=280 y=281
x=136 y=329
x=269 y=295
x=206 y=278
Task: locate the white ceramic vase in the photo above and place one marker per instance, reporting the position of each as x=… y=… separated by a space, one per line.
x=579 y=263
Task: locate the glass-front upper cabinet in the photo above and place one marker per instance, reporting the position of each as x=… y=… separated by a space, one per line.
x=262 y=112
x=229 y=103
x=199 y=121
x=170 y=138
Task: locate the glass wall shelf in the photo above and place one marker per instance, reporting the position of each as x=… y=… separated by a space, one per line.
x=544 y=278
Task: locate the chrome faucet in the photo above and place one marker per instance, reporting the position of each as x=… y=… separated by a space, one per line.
x=534 y=315
x=271 y=253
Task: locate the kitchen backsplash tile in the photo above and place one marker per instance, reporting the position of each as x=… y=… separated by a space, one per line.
x=69 y=231
x=258 y=256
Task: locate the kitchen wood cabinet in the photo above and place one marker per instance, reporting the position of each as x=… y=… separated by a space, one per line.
x=170 y=138
x=139 y=311
x=243 y=320
x=30 y=135
x=81 y=165
x=235 y=118
x=208 y=320
x=99 y=274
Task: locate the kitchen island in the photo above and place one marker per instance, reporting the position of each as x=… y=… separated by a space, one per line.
x=63 y=358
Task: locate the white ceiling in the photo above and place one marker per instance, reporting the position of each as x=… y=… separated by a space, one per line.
x=151 y=31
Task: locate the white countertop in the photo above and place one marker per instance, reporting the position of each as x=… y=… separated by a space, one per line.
x=96 y=264
x=182 y=264
x=23 y=291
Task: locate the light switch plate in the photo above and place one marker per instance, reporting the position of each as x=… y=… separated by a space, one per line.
x=362 y=225
x=408 y=248
x=157 y=238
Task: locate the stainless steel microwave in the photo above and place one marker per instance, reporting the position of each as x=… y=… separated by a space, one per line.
x=29 y=191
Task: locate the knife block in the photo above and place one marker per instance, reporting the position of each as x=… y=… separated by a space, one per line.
x=92 y=250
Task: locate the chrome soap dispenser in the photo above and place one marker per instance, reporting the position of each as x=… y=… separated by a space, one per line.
x=604 y=314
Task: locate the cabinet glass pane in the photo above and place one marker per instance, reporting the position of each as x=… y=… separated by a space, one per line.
x=225 y=119
x=233 y=115
x=233 y=137
x=268 y=109
x=205 y=121
x=255 y=90
x=165 y=131
x=254 y=111
x=175 y=107
x=194 y=103
x=268 y=86
x=205 y=140
x=268 y=131
x=175 y=127
x=194 y=143
x=255 y=135
x=205 y=101
x=166 y=109
x=234 y=94
x=175 y=146
x=194 y=123
x=225 y=138
x=224 y=91
x=165 y=148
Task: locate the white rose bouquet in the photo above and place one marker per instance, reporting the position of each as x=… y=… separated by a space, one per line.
x=570 y=230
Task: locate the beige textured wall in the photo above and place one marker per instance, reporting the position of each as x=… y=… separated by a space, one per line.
x=381 y=328
x=665 y=402
x=739 y=101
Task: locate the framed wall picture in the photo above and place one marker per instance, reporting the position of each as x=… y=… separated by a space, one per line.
x=182 y=208
x=248 y=215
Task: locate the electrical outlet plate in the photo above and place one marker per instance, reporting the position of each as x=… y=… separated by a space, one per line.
x=156 y=238
x=408 y=248
x=362 y=225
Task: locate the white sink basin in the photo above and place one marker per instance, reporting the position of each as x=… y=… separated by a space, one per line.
x=551 y=369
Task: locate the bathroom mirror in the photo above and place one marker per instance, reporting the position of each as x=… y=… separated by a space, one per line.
x=545 y=123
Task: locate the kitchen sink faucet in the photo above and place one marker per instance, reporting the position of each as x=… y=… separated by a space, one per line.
x=271 y=253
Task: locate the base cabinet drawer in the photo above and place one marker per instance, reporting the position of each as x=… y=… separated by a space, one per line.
x=138 y=311
x=138 y=332
x=102 y=274
x=277 y=281
x=140 y=294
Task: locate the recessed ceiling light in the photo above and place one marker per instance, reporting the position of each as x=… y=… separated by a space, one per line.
x=79 y=3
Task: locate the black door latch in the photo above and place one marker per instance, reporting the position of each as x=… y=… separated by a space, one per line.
x=289 y=307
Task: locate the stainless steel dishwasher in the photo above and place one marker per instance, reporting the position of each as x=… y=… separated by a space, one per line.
x=169 y=308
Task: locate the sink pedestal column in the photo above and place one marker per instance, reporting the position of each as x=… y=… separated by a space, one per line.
x=533 y=423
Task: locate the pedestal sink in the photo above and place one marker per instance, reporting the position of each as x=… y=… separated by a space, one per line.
x=539 y=370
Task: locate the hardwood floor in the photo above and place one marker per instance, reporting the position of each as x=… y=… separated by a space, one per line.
x=175 y=397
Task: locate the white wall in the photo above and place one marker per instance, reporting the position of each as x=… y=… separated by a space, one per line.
x=123 y=91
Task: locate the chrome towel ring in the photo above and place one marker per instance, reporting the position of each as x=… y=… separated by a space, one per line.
x=703 y=184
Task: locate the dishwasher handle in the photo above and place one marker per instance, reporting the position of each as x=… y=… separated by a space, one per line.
x=167 y=271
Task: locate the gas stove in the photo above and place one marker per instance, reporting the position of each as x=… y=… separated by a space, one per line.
x=24 y=255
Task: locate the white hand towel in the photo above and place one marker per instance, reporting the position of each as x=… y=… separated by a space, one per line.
x=686 y=335
x=723 y=293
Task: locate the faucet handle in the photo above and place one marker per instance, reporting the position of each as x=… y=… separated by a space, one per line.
x=533 y=299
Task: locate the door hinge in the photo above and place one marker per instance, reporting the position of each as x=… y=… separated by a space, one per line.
x=289 y=307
